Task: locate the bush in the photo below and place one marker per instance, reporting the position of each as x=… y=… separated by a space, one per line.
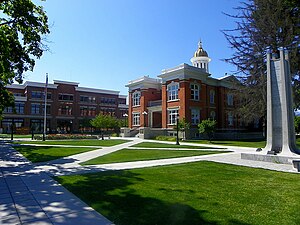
x=65 y=136
x=165 y=138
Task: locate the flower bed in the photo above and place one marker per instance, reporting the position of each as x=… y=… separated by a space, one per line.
x=65 y=136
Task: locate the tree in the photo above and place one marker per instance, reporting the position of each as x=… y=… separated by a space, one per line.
x=297 y=124
x=183 y=126
x=207 y=127
x=263 y=25
x=104 y=122
x=22 y=27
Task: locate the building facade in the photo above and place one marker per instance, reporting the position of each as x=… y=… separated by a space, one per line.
x=69 y=107
x=185 y=91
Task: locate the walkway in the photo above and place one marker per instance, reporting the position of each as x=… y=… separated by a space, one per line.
x=31 y=198
x=28 y=195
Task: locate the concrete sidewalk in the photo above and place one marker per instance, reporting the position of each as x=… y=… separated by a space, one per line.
x=31 y=198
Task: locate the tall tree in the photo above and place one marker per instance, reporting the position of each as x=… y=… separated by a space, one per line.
x=262 y=25
x=22 y=28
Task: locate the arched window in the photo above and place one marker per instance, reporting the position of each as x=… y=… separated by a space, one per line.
x=195 y=91
x=230 y=119
x=230 y=99
x=212 y=96
x=173 y=91
x=195 y=116
x=136 y=98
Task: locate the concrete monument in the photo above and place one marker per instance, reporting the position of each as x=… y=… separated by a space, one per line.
x=281 y=139
x=280 y=115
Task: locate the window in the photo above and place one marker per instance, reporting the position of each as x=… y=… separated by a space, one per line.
x=136 y=119
x=107 y=111
x=19 y=107
x=173 y=91
x=230 y=119
x=136 y=98
x=38 y=125
x=213 y=115
x=37 y=94
x=47 y=109
x=35 y=108
x=65 y=110
x=172 y=117
x=107 y=101
x=49 y=95
x=65 y=97
x=212 y=97
x=8 y=110
x=195 y=91
x=88 y=99
x=195 y=115
x=87 y=111
x=230 y=99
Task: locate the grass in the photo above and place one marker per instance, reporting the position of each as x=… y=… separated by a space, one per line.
x=163 y=145
x=104 y=143
x=15 y=135
x=195 y=193
x=46 y=153
x=242 y=143
x=129 y=155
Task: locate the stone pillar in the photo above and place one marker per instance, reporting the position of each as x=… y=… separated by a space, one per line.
x=280 y=117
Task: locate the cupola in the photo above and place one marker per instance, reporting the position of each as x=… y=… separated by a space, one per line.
x=201 y=59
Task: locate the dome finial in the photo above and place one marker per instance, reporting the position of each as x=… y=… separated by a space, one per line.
x=200 y=43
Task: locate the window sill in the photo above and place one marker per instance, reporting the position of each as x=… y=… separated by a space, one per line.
x=175 y=100
x=135 y=106
x=195 y=100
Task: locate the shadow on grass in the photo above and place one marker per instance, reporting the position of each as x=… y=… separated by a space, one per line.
x=30 y=153
x=111 y=195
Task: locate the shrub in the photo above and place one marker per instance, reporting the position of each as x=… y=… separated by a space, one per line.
x=65 y=136
x=165 y=138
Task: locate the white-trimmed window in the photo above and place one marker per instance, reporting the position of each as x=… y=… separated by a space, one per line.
x=172 y=116
x=212 y=96
x=195 y=90
x=136 y=98
x=195 y=116
x=230 y=99
x=173 y=91
x=230 y=119
x=213 y=115
x=136 y=119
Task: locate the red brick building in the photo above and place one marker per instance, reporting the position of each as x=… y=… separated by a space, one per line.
x=186 y=92
x=69 y=107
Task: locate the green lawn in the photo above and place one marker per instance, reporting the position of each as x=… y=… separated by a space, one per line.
x=104 y=143
x=129 y=155
x=253 y=144
x=246 y=143
x=163 y=145
x=190 y=194
x=15 y=135
x=47 y=153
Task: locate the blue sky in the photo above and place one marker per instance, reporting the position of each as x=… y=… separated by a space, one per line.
x=104 y=44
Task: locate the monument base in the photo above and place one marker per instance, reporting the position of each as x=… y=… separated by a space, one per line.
x=292 y=160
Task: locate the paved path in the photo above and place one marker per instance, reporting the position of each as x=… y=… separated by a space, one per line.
x=28 y=195
x=31 y=198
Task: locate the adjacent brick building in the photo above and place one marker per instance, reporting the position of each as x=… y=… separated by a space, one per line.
x=69 y=107
x=184 y=91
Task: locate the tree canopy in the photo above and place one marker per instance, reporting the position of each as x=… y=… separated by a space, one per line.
x=23 y=26
x=207 y=127
x=262 y=25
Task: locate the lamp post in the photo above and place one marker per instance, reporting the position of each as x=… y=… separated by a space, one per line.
x=125 y=115
x=145 y=114
x=177 y=130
